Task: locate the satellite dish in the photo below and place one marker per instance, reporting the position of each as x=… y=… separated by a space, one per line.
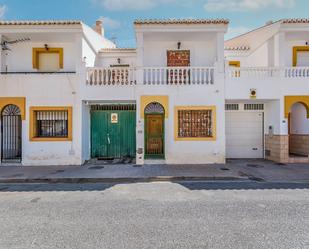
x=5 y=44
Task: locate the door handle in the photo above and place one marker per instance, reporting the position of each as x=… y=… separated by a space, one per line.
x=108 y=139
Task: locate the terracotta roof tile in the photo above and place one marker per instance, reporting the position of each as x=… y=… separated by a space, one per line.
x=295 y=20
x=118 y=50
x=238 y=48
x=49 y=22
x=182 y=21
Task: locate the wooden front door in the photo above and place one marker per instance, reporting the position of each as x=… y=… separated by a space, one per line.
x=154 y=137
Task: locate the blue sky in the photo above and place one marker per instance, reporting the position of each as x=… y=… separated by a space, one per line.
x=119 y=15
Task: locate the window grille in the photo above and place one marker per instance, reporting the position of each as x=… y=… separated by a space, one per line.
x=51 y=124
x=115 y=107
x=195 y=124
x=253 y=107
x=232 y=107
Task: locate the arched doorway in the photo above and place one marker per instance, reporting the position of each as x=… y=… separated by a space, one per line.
x=11 y=134
x=154 y=131
x=299 y=130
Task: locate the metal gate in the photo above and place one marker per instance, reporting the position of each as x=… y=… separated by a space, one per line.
x=11 y=134
x=113 y=131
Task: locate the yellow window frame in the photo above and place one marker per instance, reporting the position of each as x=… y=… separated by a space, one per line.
x=234 y=63
x=196 y=108
x=37 y=51
x=297 y=49
x=33 y=128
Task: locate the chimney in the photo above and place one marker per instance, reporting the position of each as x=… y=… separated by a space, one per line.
x=269 y=22
x=99 y=27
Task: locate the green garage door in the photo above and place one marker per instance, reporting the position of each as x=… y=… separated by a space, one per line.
x=113 y=131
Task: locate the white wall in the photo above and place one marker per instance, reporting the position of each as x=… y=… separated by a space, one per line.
x=20 y=58
x=89 y=54
x=47 y=90
x=106 y=59
x=203 y=53
x=299 y=120
x=86 y=130
x=259 y=58
x=272 y=116
x=190 y=152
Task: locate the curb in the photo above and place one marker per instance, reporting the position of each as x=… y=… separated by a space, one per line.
x=120 y=180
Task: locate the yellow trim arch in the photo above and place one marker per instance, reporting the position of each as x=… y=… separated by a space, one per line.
x=289 y=101
x=145 y=100
x=18 y=101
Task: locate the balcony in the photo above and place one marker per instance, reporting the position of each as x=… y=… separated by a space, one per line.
x=268 y=72
x=268 y=83
x=176 y=76
x=111 y=76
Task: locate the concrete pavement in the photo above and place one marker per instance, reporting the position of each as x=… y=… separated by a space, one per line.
x=241 y=170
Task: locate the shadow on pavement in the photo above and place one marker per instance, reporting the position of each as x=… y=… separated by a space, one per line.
x=54 y=187
x=246 y=185
x=191 y=185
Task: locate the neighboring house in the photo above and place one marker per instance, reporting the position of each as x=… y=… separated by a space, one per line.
x=68 y=95
x=267 y=92
x=42 y=71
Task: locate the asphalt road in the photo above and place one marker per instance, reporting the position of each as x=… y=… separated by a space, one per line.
x=155 y=215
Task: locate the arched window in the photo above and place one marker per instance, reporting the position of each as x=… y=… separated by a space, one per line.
x=154 y=107
x=11 y=110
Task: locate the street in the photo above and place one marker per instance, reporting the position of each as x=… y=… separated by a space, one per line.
x=155 y=215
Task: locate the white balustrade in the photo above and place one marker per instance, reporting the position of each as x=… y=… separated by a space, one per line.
x=113 y=76
x=268 y=72
x=178 y=75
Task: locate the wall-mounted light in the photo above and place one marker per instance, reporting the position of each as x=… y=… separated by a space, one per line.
x=46 y=46
x=119 y=60
x=179 y=45
x=253 y=93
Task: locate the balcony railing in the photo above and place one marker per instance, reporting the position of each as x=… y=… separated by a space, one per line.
x=178 y=75
x=111 y=76
x=150 y=76
x=268 y=72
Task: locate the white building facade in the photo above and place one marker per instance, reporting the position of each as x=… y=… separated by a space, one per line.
x=183 y=96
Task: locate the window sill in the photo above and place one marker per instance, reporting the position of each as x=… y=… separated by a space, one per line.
x=195 y=139
x=50 y=139
x=38 y=72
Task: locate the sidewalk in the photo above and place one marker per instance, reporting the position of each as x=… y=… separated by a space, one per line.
x=237 y=170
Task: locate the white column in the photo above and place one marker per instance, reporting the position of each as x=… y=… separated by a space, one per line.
x=140 y=148
x=280 y=49
x=220 y=52
x=79 y=62
x=140 y=56
x=1 y=54
x=284 y=122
